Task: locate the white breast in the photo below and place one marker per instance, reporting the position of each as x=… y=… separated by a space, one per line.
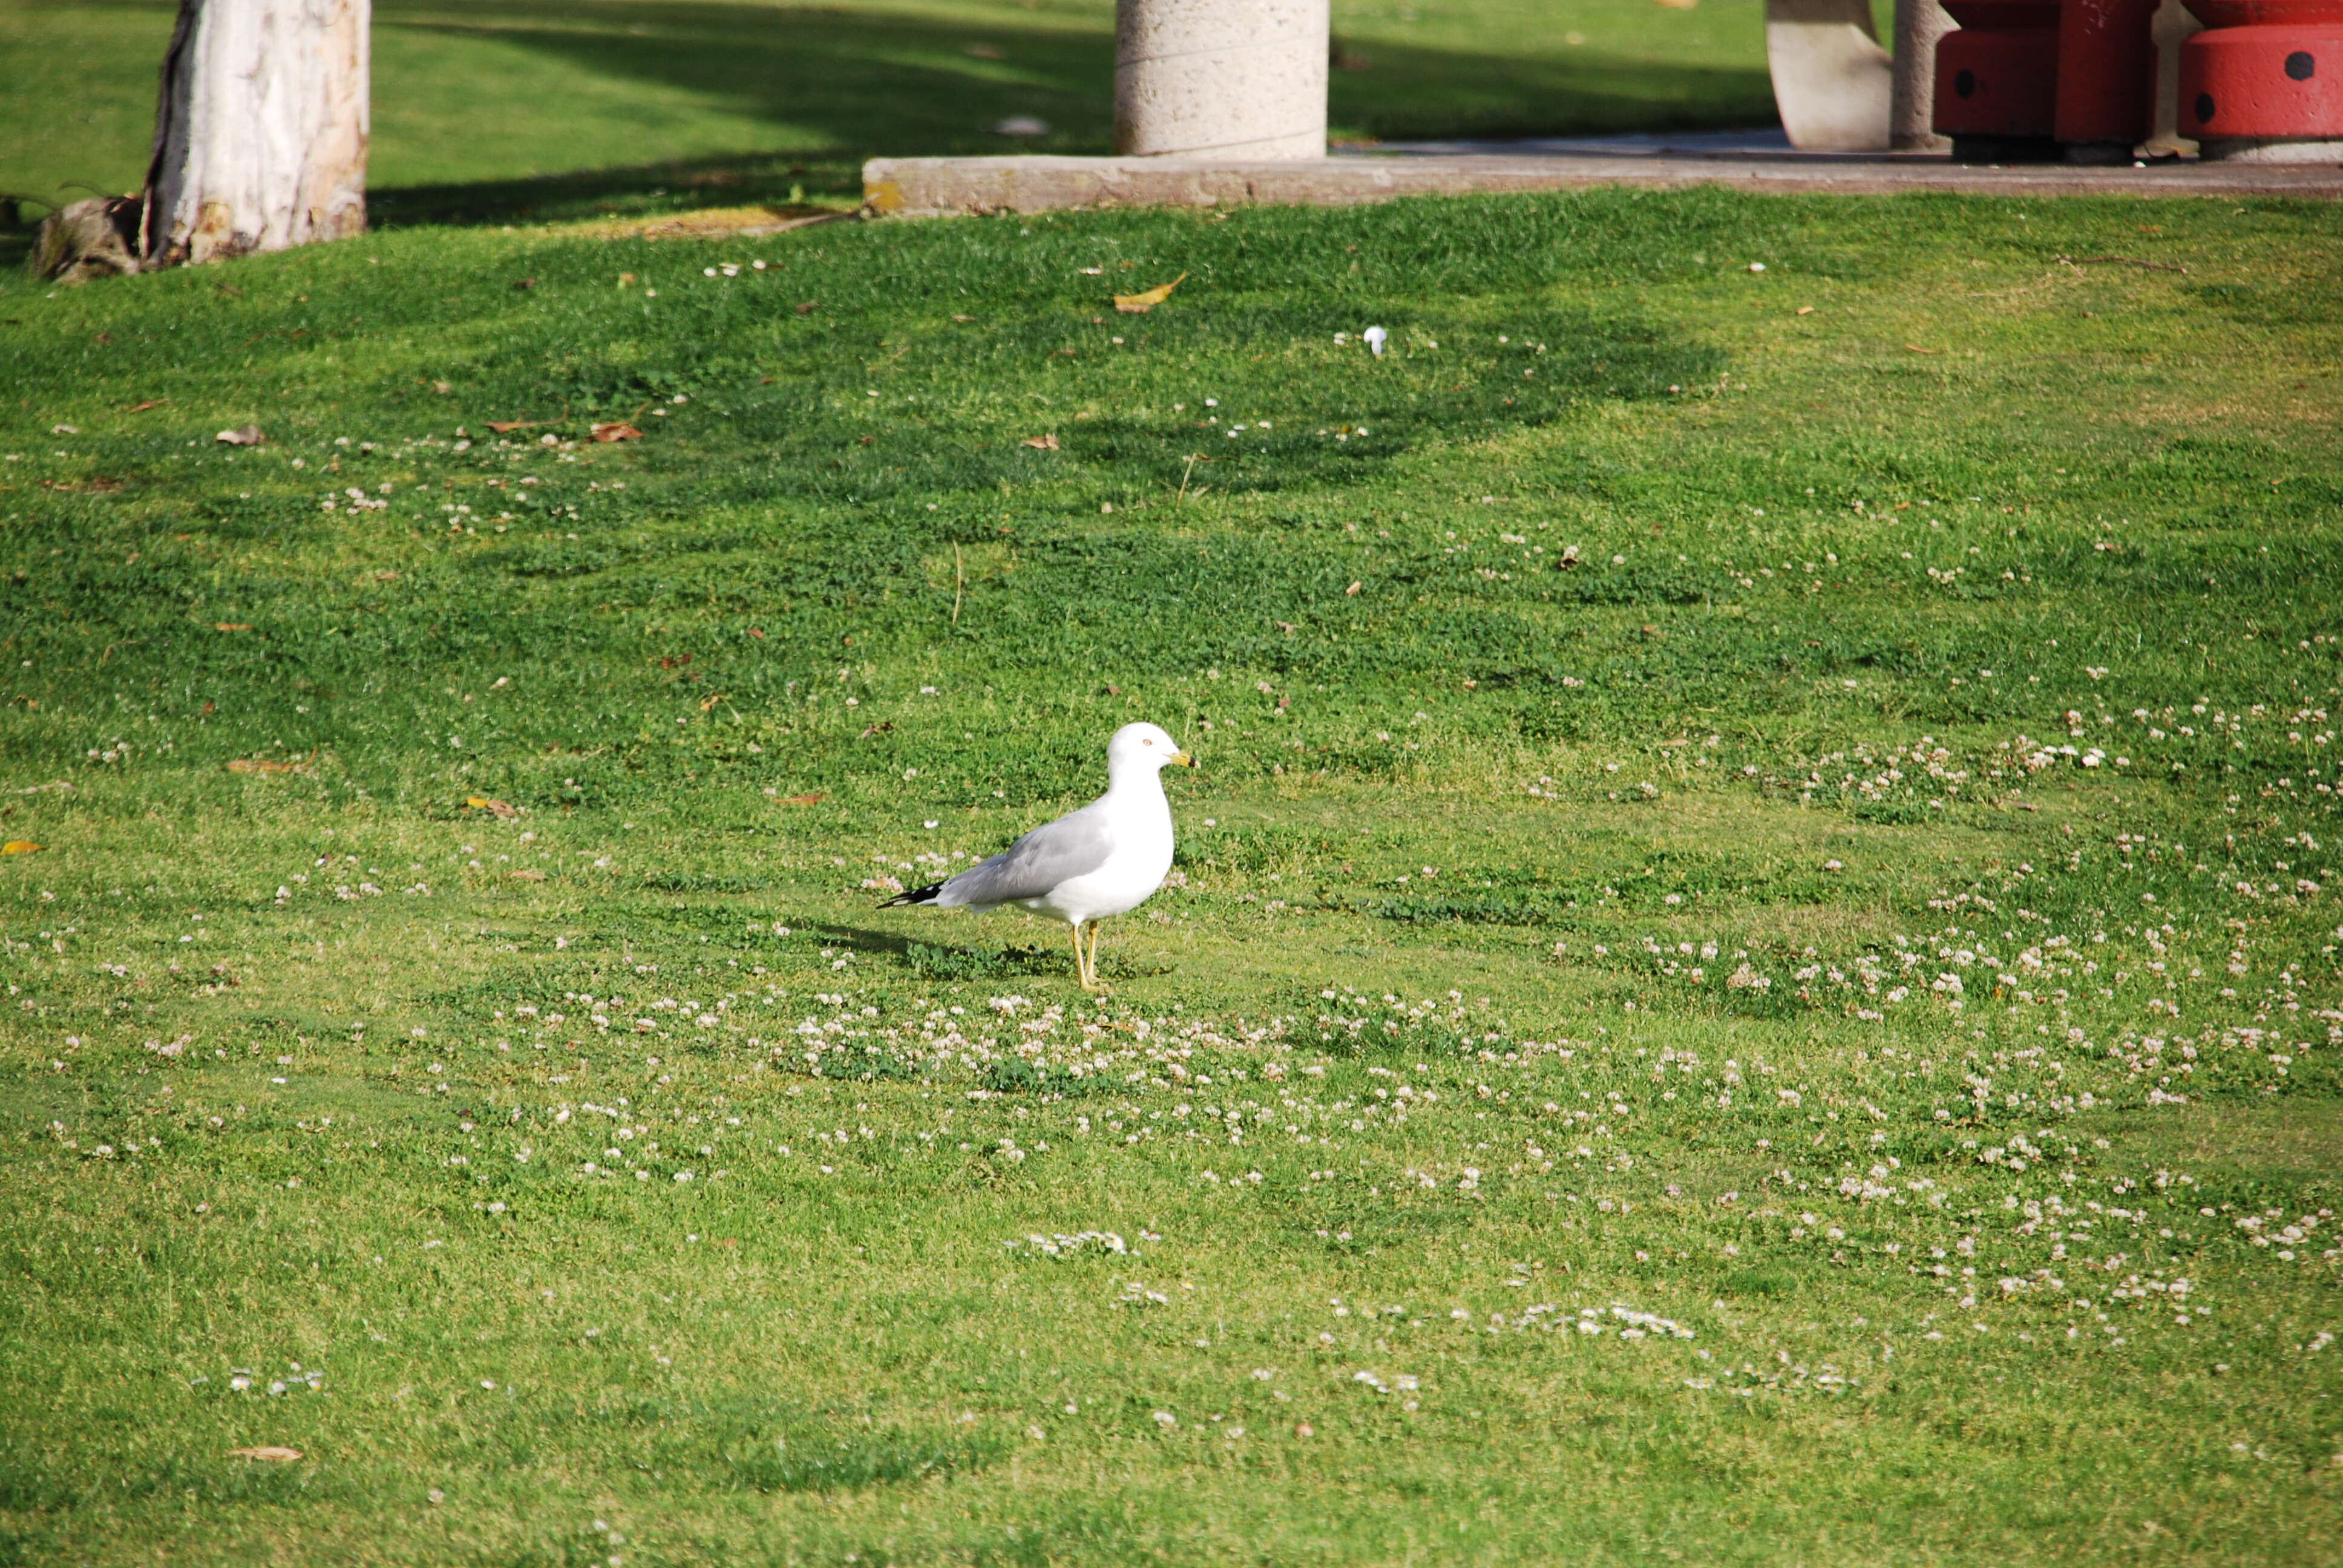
x=1141 y=819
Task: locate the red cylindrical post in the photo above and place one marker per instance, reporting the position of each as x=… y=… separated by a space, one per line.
x=2264 y=81
x=2106 y=78
x=1997 y=81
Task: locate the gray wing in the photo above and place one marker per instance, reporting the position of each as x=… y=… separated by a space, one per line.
x=1074 y=845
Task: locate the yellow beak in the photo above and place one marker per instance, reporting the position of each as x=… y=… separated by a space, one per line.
x=1184 y=759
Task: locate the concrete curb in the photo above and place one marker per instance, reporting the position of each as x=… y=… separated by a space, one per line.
x=943 y=187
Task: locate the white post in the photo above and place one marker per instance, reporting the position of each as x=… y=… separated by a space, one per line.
x=260 y=134
x=1912 y=122
x=1225 y=79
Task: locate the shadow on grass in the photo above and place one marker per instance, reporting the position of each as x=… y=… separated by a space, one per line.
x=853 y=87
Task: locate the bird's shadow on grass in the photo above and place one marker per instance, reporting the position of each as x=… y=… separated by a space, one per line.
x=944 y=960
x=975 y=961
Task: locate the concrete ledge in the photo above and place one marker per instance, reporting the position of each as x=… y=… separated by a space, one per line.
x=940 y=187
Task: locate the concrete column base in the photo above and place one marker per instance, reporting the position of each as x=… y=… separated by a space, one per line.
x=1242 y=79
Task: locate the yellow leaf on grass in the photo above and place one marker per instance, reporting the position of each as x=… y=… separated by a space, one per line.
x=713 y=699
x=26 y=847
x=268 y=1453
x=1141 y=304
x=232 y=626
x=493 y=807
x=1042 y=443
x=259 y=765
x=616 y=430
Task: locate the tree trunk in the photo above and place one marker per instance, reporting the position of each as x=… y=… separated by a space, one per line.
x=260 y=134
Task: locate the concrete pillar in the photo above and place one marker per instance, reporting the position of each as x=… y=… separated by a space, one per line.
x=1831 y=78
x=1225 y=79
x=2174 y=26
x=1912 y=122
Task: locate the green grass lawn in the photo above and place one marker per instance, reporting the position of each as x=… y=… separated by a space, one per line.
x=507 y=108
x=1752 y=978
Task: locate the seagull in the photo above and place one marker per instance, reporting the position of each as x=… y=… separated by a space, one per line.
x=1107 y=859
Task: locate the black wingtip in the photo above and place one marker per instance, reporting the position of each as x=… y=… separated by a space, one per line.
x=926 y=895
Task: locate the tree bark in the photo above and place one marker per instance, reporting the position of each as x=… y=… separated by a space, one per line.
x=260 y=131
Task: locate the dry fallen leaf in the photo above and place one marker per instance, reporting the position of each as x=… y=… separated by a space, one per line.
x=881 y=727
x=1141 y=304
x=493 y=807
x=1042 y=443
x=231 y=625
x=1352 y=591
x=713 y=699
x=801 y=801
x=505 y=426
x=142 y=407
x=1916 y=349
x=242 y=435
x=1805 y=310
x=616 y=430
x=26 y=847
x=259 y=765
x=527 y=875
x=267 y=1452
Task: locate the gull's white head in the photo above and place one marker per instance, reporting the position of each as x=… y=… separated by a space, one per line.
x=1142 y=747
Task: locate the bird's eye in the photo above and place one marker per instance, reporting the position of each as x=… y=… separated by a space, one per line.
x=1146 y=742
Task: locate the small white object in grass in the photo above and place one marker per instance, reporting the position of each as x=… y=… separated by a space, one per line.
x=1374 y=337
x=1757 y=267
x=1022 y=126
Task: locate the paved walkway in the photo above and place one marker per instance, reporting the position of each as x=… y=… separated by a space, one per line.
x=1743 y=160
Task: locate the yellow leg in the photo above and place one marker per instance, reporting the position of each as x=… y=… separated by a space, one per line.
x=1082 y=966
x=1095 y=983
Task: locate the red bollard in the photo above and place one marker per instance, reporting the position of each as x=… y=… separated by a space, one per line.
x=1997 y=81
x=2106 y=78
x=2264 y=82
